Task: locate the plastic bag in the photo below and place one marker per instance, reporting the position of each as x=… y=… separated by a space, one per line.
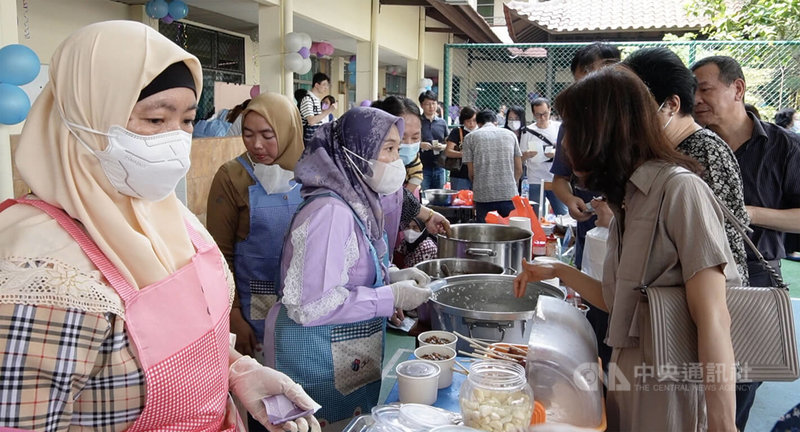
x=594 y=252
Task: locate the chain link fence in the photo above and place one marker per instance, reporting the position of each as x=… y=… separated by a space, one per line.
x=490 y=75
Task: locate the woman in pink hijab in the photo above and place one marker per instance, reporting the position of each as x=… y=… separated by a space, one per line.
x=115 y=297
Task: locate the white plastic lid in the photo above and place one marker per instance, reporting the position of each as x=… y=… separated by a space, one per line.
x=423 y=417
x=387 y=415
x=417 y=369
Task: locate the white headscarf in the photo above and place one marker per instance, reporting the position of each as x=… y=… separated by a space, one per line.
x=96 y=76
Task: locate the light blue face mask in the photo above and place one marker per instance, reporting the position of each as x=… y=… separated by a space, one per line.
x=408 y=152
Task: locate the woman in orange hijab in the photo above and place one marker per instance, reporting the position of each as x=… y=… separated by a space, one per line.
x=116 y=297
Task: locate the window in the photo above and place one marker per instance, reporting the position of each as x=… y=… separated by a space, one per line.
x=486 y=9
x=221 y=56
x=395 y=85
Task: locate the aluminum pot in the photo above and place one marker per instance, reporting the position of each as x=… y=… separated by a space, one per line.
x=440 y=197
x=484 y=307
x=446 y=267
x=503 y=245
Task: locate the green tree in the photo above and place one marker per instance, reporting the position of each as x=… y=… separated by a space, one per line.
x=749 y=19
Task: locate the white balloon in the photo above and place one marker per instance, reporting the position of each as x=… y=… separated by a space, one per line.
x=428 y=82
x=305 y=67
x=293 y=61
x=306 y=41
x=422 y=82
x=421 y=90
x=294 y=41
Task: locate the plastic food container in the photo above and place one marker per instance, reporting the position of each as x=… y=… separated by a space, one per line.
x=438 y=337
x=447 y=359
x=496 y=397
x=410 y=418
x=418 y=381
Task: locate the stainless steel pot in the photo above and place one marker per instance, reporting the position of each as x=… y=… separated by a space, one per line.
x=440 y=197
x=446 y=267
x=503 y=245
x=484 y=307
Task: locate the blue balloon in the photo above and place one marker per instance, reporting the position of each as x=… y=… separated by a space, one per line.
x=14 y=104
x=18 y=64
x=178 y=9
x=157 y=9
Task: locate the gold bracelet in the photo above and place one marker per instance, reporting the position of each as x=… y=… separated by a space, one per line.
x=430 y=216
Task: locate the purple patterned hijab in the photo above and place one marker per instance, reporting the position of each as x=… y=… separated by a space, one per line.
x=325 y=167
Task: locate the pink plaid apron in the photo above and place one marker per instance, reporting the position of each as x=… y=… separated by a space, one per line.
x=179 y=327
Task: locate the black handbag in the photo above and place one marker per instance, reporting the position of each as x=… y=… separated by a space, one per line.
x=453 y=164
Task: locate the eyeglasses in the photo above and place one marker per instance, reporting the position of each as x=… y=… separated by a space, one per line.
x=541 y=115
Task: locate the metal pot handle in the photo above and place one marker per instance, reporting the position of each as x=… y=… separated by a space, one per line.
x=481 y=252
x=500 y=326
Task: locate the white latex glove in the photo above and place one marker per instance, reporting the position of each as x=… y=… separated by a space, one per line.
x=407 y=295
x=251 y=382
x=411 y=273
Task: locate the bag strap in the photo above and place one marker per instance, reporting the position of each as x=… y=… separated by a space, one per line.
x=741 y=228
x=540 y=136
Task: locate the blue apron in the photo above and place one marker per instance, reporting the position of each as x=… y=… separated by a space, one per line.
x=338 y=365
x=256 y=260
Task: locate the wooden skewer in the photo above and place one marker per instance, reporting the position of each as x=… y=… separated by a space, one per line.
x=471 y=340
x=501 y=354
x=471 y=355
x=455 y=369
x=495 y=354
x=466 y=370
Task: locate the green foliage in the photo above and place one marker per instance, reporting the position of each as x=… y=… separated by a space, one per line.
x=749 y=19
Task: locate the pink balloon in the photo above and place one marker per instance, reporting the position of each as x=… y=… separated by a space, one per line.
x=255 y=91
x=314 y=48
x=304 y=52
x=167 y=19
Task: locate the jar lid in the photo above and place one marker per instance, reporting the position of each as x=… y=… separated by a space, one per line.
x=453 y=428
x=417 y=369
x=423 y=417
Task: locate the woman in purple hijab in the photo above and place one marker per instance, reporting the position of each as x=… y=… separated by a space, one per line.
x=327 y=330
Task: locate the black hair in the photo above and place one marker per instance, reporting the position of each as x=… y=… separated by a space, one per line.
x=465 y=114
x=540 y=101
x=428 y=95
x=729 y=69
x=331 y=100
x=299 y=94
x=233 y=113
x=784 y=117
x=397 y=106
x=485 y=116
x=520 y=112
x=665 y=75
x=589 y=54
x=752 y=109
x=318 y=78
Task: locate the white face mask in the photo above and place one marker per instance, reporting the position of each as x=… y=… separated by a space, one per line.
x=142 y=166
x=514 y=125
x=272 y=178
x=387 y=178
x=411 y=235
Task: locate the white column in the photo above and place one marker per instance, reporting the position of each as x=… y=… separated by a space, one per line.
x=8 y=35
x=287 y=10
x=270 y=49
x=337 y=82
x=373 y=35
x=412 y=79
x=363 y=71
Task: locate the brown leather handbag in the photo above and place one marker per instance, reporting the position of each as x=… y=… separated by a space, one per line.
x=762 y=325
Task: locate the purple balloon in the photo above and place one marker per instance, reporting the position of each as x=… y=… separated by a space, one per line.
x=366 y=103
x=167 y=19
x=304 y=52
x=352 y=58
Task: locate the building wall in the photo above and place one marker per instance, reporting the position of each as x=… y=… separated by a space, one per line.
x=398 y=29
x=51 y=21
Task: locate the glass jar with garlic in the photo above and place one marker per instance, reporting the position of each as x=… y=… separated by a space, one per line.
x=496 y=397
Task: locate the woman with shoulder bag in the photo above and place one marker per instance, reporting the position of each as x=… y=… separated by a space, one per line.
x=615 y=141
x=459 y=177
